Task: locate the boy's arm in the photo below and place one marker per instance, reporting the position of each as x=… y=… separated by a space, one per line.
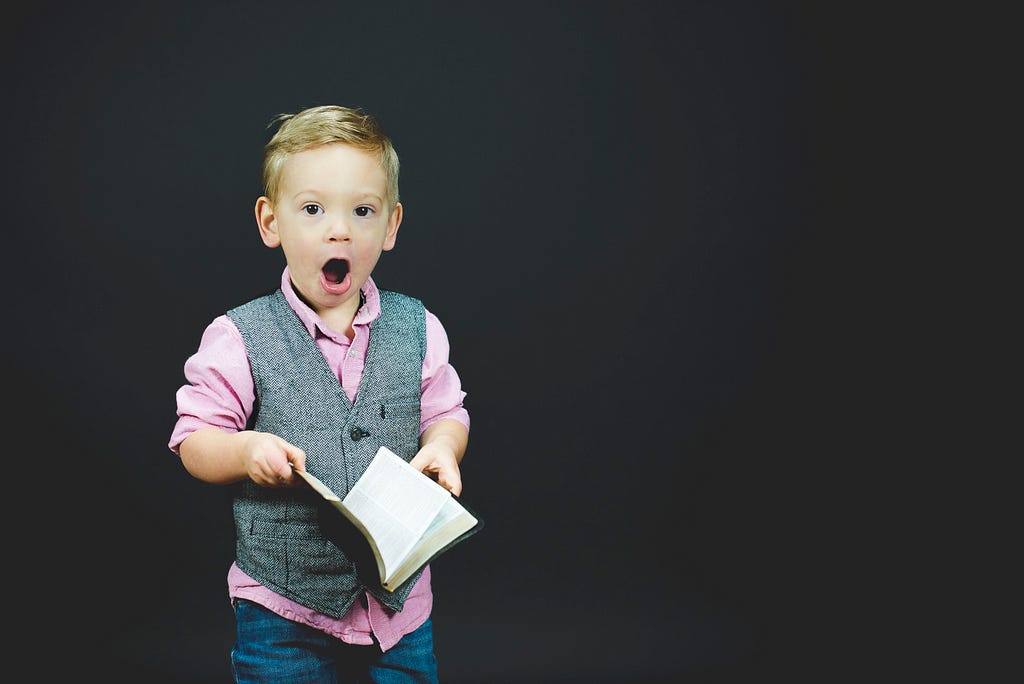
x=218 y=457
x=442 y=446
x=213 y=409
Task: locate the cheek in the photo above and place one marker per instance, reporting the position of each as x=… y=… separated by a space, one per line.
x=302 y=239
x=371 y=246
x=367 y=253
x=297 y=248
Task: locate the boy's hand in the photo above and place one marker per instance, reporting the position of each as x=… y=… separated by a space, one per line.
x=269 y=459
x=437 y=461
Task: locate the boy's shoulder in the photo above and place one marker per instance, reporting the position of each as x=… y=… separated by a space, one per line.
x=259 y=300
x=398 y=298
x=402 y=308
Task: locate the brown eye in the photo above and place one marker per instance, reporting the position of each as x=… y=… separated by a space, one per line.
x=311 y=209
x=364 y=211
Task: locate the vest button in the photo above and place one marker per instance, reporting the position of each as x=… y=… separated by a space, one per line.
x=357 y=434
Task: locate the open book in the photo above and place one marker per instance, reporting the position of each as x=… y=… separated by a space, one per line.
x=407 y=518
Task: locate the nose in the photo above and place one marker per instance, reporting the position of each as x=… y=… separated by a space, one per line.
x=338 y=231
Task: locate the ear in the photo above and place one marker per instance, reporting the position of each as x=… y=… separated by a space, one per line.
x=394 y=221
x=267 y=223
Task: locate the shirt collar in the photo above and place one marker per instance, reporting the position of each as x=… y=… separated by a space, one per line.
x=366 y=314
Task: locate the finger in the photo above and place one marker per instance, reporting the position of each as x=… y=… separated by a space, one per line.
x=273 y=472
x=297 y=458
x=451 y=482
x=266 y=479
x=287 y=476
x=420 y=462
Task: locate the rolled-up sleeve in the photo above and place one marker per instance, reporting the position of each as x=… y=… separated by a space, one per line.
x=441 y=394
x=219 y=390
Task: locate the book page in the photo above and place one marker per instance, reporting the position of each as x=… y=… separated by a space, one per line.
x=451 y=521
x=449 y=512
x=395 y=503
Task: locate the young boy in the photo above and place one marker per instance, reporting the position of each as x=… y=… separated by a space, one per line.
x=319 y=374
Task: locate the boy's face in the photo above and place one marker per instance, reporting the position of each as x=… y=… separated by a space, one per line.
x=332 y=221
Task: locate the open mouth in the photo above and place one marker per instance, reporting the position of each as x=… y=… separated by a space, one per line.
x=335 y=271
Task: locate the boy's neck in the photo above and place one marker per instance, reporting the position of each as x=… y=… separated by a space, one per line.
x=340 y=318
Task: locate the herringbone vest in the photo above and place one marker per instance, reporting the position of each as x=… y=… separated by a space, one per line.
x=279 y=538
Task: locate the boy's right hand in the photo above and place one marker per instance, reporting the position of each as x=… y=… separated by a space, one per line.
x=269 y=460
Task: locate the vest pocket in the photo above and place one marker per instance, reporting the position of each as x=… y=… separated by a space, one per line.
x=399 y=427
x=295 y=553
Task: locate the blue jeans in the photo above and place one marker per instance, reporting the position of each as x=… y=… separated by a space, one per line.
x=273 y=649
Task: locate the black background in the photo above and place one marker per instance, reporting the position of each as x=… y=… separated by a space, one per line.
x=628 y=217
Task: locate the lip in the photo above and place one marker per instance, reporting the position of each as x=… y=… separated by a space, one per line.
x=336 y=288
x=340 y=287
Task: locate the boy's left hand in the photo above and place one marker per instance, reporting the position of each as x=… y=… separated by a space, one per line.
x=437 y=461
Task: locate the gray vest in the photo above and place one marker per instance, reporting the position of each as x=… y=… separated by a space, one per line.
x=279 y=538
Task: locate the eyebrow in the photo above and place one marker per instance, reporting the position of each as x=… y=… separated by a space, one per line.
x=367 y=194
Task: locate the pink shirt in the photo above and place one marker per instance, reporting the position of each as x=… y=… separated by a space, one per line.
x=220 y=394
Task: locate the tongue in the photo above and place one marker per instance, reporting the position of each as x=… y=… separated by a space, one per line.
x=335 y=270
x=335 y=278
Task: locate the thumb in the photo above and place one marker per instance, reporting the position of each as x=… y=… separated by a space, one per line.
x=296 y=457
x=450 y=480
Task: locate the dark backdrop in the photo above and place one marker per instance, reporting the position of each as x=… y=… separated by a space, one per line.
x=622 y=213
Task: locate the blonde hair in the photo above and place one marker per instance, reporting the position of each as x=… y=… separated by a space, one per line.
x=324 y=125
